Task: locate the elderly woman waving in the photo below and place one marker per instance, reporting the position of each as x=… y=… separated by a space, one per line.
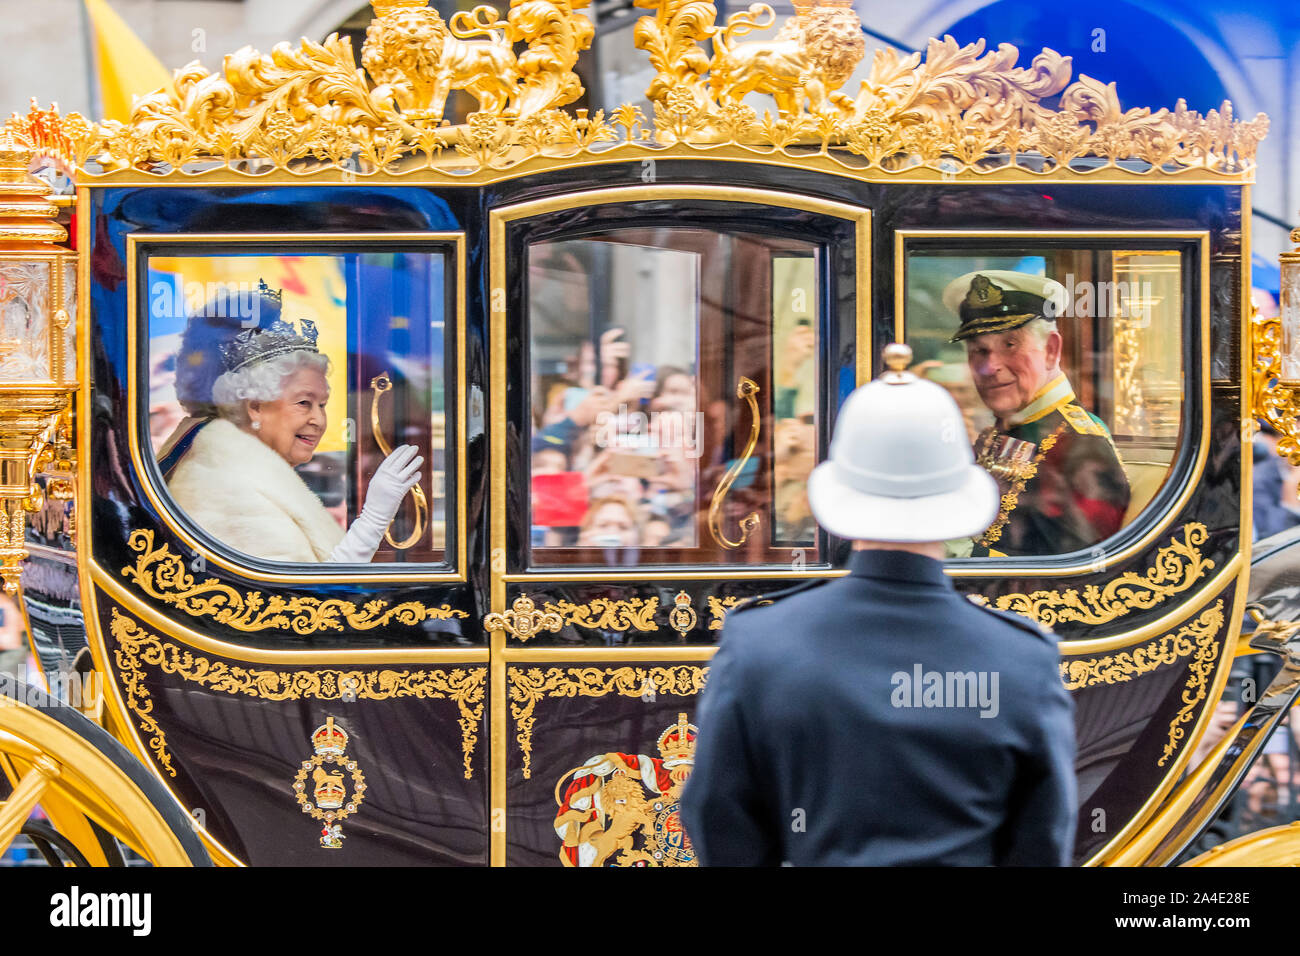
x=236 y=478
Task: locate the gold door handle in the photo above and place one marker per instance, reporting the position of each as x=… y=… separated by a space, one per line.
x=523 y=620
x=378 y=385
x=746 y=388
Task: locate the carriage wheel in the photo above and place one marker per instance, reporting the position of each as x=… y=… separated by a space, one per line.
x=88 y=784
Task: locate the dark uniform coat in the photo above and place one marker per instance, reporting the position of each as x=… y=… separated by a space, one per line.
x=816 y=745
x=1063 y=487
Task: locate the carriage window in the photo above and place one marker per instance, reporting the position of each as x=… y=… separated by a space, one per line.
x=674 y=383
x=1067 y=365
x=280 y=383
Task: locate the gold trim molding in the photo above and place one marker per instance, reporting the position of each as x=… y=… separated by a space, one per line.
x=528 y=686
x=1196 y=639
x=161 y=574
x=1177 y=567
x=307 y=109
x=137 y=648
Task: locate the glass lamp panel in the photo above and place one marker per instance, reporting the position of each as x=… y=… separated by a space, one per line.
x=24 y=320
x=1290 y=316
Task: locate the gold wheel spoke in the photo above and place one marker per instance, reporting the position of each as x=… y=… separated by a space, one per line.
x=15 y=811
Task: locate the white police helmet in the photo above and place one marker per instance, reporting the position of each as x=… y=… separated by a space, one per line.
x=901 y=466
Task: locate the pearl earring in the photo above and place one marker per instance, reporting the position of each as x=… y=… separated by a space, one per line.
x=256 y=425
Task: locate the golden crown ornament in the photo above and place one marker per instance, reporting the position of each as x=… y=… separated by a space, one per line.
x=329 y=801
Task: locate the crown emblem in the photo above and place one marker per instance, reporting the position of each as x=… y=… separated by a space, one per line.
x=257 y=345
x=384 y=7
x=677 y=743
x=329 y=740
x=275 y=295
x=983 y=293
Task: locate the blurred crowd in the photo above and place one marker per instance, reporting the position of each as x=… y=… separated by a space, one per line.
x=622 y=450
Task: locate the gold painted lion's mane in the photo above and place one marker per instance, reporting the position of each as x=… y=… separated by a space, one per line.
x=831 y=38
x=395 y=55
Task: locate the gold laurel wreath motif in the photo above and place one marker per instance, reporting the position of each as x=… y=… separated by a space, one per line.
x=529 y=686
x=303 y=110
x=1177 y=567
x=161 y=574
x=1197 y=639
x=137 y=649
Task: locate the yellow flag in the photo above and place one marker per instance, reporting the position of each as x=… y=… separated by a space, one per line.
x=126 y=66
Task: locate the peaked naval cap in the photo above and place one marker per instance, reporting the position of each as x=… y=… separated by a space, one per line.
x=999 y=300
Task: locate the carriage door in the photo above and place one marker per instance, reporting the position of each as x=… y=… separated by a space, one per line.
x=666 y=364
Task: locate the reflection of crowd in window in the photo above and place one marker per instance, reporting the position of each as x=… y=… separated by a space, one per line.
x=615 y=452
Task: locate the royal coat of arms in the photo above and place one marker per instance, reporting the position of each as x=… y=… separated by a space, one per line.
x=329 y=801
x=623 y=809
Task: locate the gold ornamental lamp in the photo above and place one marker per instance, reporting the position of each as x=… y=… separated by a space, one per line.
x=37 y=351
x=1289 y=311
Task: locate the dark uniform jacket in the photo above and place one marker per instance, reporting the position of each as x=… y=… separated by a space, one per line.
x=816 y=745
x=1063 y=487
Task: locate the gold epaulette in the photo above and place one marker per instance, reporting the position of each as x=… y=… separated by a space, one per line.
x=1082 y=422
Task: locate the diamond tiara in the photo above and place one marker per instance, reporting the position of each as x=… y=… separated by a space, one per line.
x=257 y=345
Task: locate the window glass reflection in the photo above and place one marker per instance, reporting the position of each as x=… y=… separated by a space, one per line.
x=293 y=400
x=644 y=449
x=1067 y=365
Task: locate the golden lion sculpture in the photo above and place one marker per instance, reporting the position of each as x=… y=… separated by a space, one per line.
x=812 y=55
x=417 y=60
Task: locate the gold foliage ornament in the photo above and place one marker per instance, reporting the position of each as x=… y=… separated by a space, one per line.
x=138 y=649
x=329 y=801
x=162 y=575
x=1177 y=567
x=958 y=110
x=1197 y=639
x=529 y=686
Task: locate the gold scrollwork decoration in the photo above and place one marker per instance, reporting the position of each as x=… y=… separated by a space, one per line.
x=746 y=389
x=608 y=614
x=718 y=608
x=161 y=574
x=528 y=686
x=523 y=620
x=956 y=109
x=1197 y=639
x=136 y=649
x=1177 y=567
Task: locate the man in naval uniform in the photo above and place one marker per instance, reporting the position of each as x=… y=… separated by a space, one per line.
x=881 y=718
x=1063 y=487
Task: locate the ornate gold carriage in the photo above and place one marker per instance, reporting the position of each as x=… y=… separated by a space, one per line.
x=512 y=680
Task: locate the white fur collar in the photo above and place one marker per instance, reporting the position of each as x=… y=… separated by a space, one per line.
x=242 y=492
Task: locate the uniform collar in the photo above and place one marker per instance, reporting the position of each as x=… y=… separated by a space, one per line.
x=897 y=566
x=1046 y=400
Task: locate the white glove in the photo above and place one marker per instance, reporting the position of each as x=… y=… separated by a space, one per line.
x=395 y=476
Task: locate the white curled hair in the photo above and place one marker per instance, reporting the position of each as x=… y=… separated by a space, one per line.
x=1041 y=328
x=261 y=382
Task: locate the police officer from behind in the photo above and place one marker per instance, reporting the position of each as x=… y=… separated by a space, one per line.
x=882 y=718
